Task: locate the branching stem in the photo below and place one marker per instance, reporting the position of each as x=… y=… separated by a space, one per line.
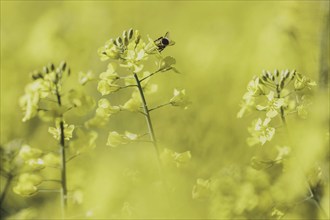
x=147 y=116
x=149 y=76
x=278 y=91
x=159 y=106
x=64 y=191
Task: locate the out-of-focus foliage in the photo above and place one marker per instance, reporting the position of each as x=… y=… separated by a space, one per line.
x=209 y=169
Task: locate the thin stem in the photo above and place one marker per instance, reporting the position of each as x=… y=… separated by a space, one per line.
x=6 y=189
x=147 y=116
x=149 y=76
x=324 y=48
x=143 y=141
x=268 y=83
x=49 y=190
x=63 y=167
x=43 y=109
x=151 y=130
x=50 y=180
x=63 y=157
x=74 y=156
x=124 y=87
x=159 y=106
x=278 y=91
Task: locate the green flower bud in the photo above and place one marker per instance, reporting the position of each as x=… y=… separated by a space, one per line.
x=52 y=67
x=130 y=34
x=63 y=66
x=45 y=69
x=119 y=41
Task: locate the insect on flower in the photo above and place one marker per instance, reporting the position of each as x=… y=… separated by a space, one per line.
x=163 y=42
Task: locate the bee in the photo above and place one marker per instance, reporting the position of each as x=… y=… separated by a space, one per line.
x=163 y=42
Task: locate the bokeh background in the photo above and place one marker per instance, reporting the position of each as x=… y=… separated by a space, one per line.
x=220 y=46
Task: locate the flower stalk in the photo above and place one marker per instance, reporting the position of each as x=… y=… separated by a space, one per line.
x=64 y=190
x=278 y=91
x=148 y=118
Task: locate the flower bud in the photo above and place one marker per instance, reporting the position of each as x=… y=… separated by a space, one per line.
x=292 y=74
x=282 y=83
x=285 y=74
x=63 y=65
x=126 y=42
x=37 y=75
x=269 y=75
x=124 y=34
x=137 y=39
x=52 y=67
x=130 y=34
x=119 y=41
x=45 y=69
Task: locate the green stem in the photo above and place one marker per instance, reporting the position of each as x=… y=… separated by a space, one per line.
x=5 y=190
x=278 y=91
x=64 y=191
x=152 y=135
x=324 y=48
x=147 y=116
x=149 y=76
x=159 y=106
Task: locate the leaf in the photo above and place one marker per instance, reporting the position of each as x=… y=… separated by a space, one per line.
x=166 y=64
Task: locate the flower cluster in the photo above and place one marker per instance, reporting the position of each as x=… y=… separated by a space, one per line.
x=44 y=95
x=276 y=96
x=129 y=48
x=45 y=84
x=23 y=163
x=128 y=55
x=47 y=98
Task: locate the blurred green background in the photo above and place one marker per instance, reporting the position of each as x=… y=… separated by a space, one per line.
x=220 y=46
